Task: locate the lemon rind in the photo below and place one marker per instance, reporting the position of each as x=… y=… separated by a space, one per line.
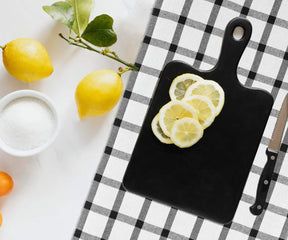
x=156 y=133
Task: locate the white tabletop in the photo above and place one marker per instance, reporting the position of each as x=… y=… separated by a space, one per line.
x=50 y=188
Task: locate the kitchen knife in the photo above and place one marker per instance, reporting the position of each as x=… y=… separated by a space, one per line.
x=272 y=153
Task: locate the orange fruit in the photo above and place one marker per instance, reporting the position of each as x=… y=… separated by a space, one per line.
x=0 y=220
x=6 y=184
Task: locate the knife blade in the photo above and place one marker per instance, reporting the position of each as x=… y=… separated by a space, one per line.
x=272 y=153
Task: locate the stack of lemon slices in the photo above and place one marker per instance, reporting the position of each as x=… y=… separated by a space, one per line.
x=194 y=104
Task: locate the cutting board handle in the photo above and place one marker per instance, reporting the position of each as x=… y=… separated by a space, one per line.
x=232 y=48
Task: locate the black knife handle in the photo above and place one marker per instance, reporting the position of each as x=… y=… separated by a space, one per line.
x=264 y=183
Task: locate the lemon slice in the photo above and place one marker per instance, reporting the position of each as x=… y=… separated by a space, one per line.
x=186 y=132
x=205 y=109
x=158 y=132
x=173 y=111
x=210 y=89
x=181 y=83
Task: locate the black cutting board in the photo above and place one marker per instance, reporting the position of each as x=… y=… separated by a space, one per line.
x=208 y=178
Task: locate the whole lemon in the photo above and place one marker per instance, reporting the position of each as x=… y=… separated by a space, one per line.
x=98 y=93
x=27 y=60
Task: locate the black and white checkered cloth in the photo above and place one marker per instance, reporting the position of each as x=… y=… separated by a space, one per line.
x=192 y=31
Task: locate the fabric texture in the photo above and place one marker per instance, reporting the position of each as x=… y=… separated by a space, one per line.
x=192 y=31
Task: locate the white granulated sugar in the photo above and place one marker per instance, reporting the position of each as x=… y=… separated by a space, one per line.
x=26 y=123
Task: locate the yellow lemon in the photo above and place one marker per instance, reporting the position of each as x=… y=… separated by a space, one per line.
x=204 y=107
x=186 y=132
x=210 y=89
x=173 y=111
x=181 y=83
x=158 y=132
x=27 y=60
x=98 y=93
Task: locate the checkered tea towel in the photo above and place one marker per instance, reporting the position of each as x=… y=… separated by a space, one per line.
x=192 y=31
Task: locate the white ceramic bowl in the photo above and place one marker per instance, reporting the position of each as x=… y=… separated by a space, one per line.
x=40 y=96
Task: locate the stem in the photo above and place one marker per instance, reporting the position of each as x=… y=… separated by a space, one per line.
x=79 y=43
x=107 y=50
x=2 y=47
x=113 y=56
x=71 y=43
x=124 y=70
x=70 y=31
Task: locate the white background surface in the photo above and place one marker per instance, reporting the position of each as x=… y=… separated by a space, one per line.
x=50 y=189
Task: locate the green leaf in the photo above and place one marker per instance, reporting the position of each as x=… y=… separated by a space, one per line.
x=82 y=10
x=99 y=32
x=62 y=12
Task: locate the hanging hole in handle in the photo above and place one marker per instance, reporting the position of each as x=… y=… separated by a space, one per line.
x=238 y=33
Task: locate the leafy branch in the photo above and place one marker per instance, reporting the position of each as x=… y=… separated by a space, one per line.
x=99 y=32
x=106 y=52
